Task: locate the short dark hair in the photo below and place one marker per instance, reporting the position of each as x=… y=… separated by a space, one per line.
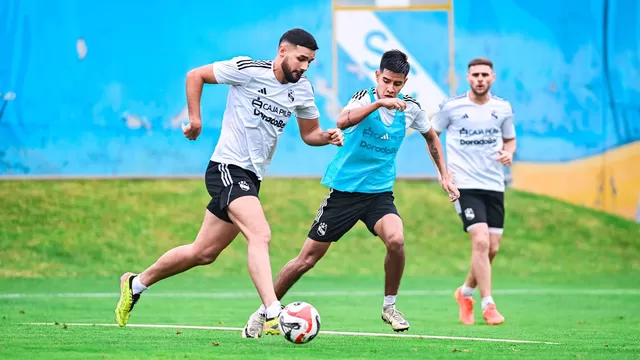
x=299 y=37
x=480 y=61
x=395 y=61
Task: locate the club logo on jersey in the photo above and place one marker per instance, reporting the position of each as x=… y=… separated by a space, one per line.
x=322 y=229
x=291 y=95
x=244 y=186
x=469 y=214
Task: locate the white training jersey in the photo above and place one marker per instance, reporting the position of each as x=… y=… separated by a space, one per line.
x=416 y=118
x=258 y=108
x=475 y=135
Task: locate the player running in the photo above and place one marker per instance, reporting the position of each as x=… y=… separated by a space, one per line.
x=262 y=97
x=361 y=178
x=481 y=139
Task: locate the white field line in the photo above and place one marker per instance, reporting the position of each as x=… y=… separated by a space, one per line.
x=253 y=294
x=323 y=332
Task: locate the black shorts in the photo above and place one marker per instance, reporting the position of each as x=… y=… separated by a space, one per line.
x=340 y=211
x=481 y=206
x=226 y=183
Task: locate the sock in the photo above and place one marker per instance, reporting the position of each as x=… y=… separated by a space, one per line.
x=136 y=286
x=467 y=291
x=274 y=310
x=262 y=310
x=486 y=301
x=389 y=300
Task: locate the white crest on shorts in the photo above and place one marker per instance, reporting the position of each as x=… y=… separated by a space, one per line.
x=468 y=213
x=322 y=229
x=243 y=185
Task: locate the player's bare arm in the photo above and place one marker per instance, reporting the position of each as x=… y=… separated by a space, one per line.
x=352 y=117
x=313 y=135
x=508 y=149
x=196 y=78
x=434 y=145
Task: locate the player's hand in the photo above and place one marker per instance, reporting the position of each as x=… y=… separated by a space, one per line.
x=192 y=130
x=449 y=188
x=505 y=157
x=392 y=103
x=336 y=137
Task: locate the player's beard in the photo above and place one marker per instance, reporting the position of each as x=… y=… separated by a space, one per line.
x=481 y=93
x=289 y=75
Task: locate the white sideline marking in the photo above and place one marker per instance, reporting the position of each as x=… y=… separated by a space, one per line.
x=323 y=332
x=244 y=294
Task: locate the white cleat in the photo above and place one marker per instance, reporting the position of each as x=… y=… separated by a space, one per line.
x=254 y=327
x=393 y=317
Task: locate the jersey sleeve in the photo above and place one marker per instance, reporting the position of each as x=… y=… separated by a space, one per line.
x=307 y=109
x=508 y=128
x=421 y=122
x=359 y=99
x=230 y=72
x=441 y=118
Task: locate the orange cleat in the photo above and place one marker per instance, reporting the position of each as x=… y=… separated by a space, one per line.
x=466 y=307
x=492 y=316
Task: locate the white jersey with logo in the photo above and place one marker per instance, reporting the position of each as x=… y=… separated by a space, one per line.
x=258 y=108
x=416 y=118
x=474 y=137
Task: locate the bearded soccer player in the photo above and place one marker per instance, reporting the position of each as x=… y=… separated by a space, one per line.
x=361 y=178
x=262 y=97
x=481 y=140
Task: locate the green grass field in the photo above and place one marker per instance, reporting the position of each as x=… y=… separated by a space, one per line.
x=565 y=274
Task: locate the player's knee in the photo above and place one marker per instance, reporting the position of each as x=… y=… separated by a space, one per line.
x=262 y=237
x=395 y=242
x=480 y=243
x=493 y=250
x=206 y=258
x=203 y=255
x=306 y=263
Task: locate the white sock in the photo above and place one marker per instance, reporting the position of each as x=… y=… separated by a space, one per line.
x=467 y=291
x=486 y=301
x=136 y=286
x=389 y=300
x=262 y=310
x=274 y=310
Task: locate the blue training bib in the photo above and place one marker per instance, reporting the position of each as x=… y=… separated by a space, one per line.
x=367 y=161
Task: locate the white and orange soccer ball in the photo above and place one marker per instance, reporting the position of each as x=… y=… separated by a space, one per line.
x=299 y=322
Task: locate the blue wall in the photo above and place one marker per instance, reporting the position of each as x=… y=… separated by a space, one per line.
x=571 y=73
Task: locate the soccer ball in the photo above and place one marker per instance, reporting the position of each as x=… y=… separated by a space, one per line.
x=299 y=322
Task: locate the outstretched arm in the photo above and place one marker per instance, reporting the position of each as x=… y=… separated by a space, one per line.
x=313 y=135
x=220 y=72
x=434 y=145
x=196 y=78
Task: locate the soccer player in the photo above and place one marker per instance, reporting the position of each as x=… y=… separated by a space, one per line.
x=360 y=178
x=262 y=97
x=481 y=139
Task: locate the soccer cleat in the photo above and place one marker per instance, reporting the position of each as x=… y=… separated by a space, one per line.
x=254 y=327
x=492 y=316
x=272 y=326
x=127 y=299
x=393 y=317
x=466 y=307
